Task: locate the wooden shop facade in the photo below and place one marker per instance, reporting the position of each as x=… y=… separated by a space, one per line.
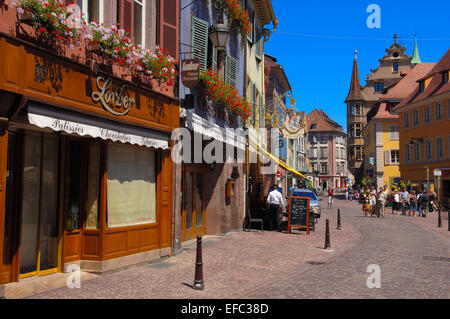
x=85 y=169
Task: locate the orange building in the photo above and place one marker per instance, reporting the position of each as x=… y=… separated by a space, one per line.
x=425 y=131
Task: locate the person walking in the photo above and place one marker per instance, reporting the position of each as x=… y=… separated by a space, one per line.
x=276 y=203
x=366 y=203
x=373 y=203
x=412 y=204
x=404 y=196
x=396 y=202
x=330 y=197
x=382 y=197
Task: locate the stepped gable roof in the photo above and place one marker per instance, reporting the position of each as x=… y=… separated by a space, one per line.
x=406 y=85
x=435 y=86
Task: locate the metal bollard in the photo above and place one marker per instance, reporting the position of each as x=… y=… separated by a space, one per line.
x=439 y=217
x=198 y=281
x=339 y=220
x=327 y=236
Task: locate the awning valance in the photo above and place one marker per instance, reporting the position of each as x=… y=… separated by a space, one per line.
x=202 y=126
x=74 y=123
x=277 y=160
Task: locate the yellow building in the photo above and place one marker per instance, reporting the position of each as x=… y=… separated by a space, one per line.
x=425 y=130
x=381 y=133
x=261 y=14
x=381 y=144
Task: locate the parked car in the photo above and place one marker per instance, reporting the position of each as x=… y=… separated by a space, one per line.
x=314 y=204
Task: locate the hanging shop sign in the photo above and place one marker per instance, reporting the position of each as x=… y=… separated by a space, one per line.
x=112 y=101
x=190 y=72
x=292 y=128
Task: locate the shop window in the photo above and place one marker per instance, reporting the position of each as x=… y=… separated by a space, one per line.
x=131 y=186
x=93 y=187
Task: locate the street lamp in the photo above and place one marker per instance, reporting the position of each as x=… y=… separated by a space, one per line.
x=219 y=34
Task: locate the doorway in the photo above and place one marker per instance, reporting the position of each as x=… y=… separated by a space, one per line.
x=39 y=235
x=193 y=212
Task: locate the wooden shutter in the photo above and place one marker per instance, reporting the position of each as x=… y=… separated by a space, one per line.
x=214 y=58
x=125 y=16
x=168 y=26
x=200 y=41
x=258 y=41
x=387 y=157
x=251 y=15
x=254 y=102
x=262 y=121
x=230 y=69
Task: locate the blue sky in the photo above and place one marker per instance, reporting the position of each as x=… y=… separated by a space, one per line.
x=315 y=42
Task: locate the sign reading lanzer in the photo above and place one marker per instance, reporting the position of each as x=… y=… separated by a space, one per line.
x=111 y=99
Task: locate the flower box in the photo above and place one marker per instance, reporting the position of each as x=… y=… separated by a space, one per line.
x=27 y=17
x=93 y=46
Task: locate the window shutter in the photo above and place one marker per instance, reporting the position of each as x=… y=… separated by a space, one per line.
x=125 y=15
x=387 y=157
x=200 y=41
x=230 y=69
x=258 y=41
x=262 y=120
x=168 y=26
x=250 y=36
x=214 y=58
x=254 y=102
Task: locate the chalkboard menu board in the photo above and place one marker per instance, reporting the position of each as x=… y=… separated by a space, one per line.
x=298 y=213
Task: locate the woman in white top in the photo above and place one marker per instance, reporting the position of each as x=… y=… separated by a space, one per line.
x=397 y=202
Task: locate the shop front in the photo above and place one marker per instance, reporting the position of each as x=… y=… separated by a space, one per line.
x=85 y=169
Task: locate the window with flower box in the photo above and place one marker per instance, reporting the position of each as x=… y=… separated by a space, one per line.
x=92 y=9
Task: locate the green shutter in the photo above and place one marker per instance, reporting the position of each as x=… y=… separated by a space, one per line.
x=230 y=70
x=259 y=42
x=200 y=41
x=214 y=58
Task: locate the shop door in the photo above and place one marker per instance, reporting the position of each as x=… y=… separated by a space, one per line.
x=76 y=165
x=39 y=237
x=10 y=240
x=193 y=219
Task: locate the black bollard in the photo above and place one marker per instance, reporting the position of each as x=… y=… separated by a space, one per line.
x=439 y=217
x=327 y=236
x=198 y=281
x=339 y=220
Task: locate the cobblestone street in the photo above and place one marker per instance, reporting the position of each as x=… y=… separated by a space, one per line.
x=413 y=255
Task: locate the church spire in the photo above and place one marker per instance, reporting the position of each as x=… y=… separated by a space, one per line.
x=355 y=88
x=416 y=58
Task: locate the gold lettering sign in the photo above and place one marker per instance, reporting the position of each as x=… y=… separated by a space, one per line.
x=111 y=99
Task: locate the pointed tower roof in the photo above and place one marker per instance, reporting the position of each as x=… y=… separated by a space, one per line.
x=355 y=88
x=416 y=58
